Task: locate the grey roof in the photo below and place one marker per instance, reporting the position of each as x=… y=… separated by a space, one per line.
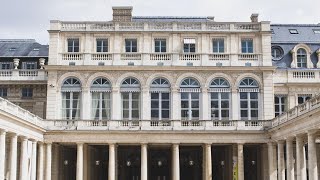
x=22 y=48
x=171 y=19
x=305 y=33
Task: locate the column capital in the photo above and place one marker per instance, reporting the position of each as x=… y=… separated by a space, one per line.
x=280 y=142
x=208 y=144
x=3 y=131
x=271 y=143
x=291 y=138
x=312 y=132
x=23 y=138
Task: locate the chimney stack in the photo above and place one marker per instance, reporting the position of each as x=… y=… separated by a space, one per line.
x=122 y=13
x=254 y=18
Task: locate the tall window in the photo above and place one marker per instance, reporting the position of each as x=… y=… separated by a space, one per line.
x=280 y=104
x=220 y=99
x=3 y=92
x=160 y=99
x=218 y=45
x=189 y=45
x=29 y=65
x=102 y=45
x=303 y=98
x=190 y=92
x=247 y=46
x=26 y=92
x=301 y=58
x=131 y=45
x=249 y=99
x=71 y=93
x=73 y=45
x=130 y=91
x=6 y=65
x=101 y=101
x=160 y=45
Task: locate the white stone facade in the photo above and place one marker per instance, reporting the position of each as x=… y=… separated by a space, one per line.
x=246 y=143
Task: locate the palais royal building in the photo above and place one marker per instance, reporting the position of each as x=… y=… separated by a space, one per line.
x=162 y=98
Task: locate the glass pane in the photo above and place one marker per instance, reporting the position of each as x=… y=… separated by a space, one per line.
x=276 y=100
x=165 y=95
x=154 y=113
x=195 y=113
x=214 y=104
x=135 y=114
x=135 y=95
x=243 y=104
x=125 y=113
x=135 y=104
x=184 y=104
x=125 y=95
x=243 y=95
x=244 y=113
x=254 y=95
x=277 y=108
x=224 y=95
x=214 y=95
x=184 y=95
x=254 y=104
x=125 y=104
x=165 y=114
x=224 y=113
x=184 y=113
x=195 y=104
x=224 y=104
x=215 y=114
x=154 y=95
x=154 y=104
x=165 y=104
x=254 y=113
x=75 y=104
x=195 y=95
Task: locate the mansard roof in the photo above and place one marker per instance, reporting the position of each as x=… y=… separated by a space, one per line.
x=306 y=34
x=22 y=48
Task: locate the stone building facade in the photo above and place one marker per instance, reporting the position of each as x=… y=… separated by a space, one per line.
x=158 y=98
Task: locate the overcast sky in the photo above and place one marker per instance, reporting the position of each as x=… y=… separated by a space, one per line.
x=29 y=19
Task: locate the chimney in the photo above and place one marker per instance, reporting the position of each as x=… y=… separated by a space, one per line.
x=254 y=18
x=122 y=13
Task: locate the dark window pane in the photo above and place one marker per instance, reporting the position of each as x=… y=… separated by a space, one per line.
x=243 y=95
x=224 y=113
x=243 y=104
x=214 y=104
x=195 y=113
x=244 y=113
x=184 y=104
x=165 y=95
x=154 y=113
x=254 y=104
x=165 y=114
x=195 y=104
x=165 y=104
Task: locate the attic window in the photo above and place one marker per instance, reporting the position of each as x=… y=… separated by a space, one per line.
x=316 y=31
x=293 y=31
x=36 y=49
x=12 y=49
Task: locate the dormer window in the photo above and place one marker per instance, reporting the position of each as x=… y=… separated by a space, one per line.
x=316 y=31
x=293 y=31
x=301 y=58
x=12 y=49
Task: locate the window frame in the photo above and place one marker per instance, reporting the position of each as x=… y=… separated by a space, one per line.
x=250 y=87
x=27 y=93
x=3 y=92
x=131 y=46
x=280 y=104
x=73 y=45
x=102 y=50
x=247 y=51
x=71 y=107
x=305 y=97
x=219 y=86
x=160 y=108
x=187 y=46
x=302 y=58
x=160 y=46
x=100 y=109
x=218 y=40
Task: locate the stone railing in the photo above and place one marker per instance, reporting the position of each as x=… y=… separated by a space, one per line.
x=219 y=57
x=72 y=56
x=190 y=57
x=258 y=125
x=304 y=74
x=159 y=26
x=249 y=57
x=101 y=57
x=297 y=111
x=22 y=114
x=23 y=74
x=160 y=57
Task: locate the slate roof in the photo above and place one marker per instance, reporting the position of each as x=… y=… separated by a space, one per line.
x=305 y=33
x=171 y=19
x=22 y=48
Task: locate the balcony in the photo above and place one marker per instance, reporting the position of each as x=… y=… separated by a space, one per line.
x=152 y=125
x=23 y=75
x=297 y=111
x=160 y=26
x=297 y=76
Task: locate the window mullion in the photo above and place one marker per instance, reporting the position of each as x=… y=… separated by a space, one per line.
x=71 y=105
x=100 y=105
x=190 y=107
x=130 y=105
x=249 y=106
x=160 y=106
x=219 y=105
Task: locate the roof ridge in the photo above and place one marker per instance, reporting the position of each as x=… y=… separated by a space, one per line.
x=170 y=17
x=18 y=40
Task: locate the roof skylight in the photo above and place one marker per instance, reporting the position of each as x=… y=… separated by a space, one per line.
x=293 y=31
x=316 y=31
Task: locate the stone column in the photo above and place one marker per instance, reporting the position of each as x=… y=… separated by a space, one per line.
x=290 y=165
x=24 y=159
x=34 y=161
x=144 y=162
x=175 y=108
x=272 y=159
x=48 y=161
x=112 y=162
x=13 y=157
x=175 y=162
x=79 y=161
x=208 y=160
x=300 y=159
x=235 y=104
x=312 y=157
x=40 y=162
x=2 y=153
x=281 y=167
x=240 y=162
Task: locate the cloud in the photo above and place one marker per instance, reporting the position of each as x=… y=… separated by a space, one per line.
x=30 y=19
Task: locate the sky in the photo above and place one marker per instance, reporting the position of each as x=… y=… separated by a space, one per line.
x=29 y=19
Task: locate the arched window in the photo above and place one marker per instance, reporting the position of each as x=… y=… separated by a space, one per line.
x=130 y=92
x=249 y=99
x=160 y=99
x=101 y=100
x=301 y=58
x=220 y=99
x=190 y=92
x=71 y=95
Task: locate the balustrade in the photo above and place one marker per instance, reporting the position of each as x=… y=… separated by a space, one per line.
x=303 y=74
x=131 y=56
x=249 y=57
x=219 y=57
x=72 y=56
x=189 y=57
x=101 y=57
x=160 y=57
